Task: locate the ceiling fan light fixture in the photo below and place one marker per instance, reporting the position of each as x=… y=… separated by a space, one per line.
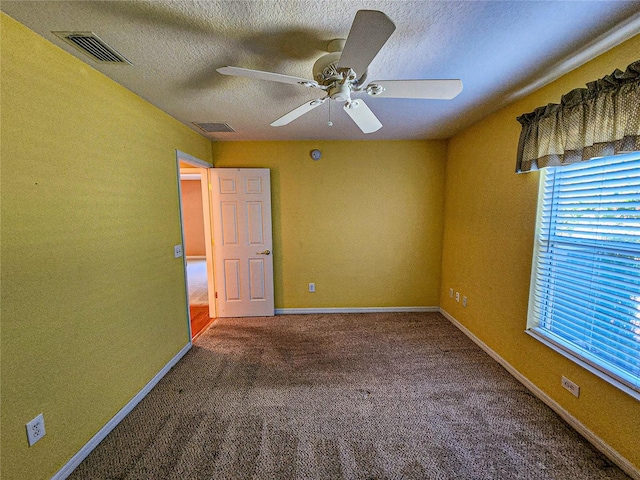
x=340 y=93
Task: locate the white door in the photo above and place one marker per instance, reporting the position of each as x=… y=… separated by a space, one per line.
x=243 y=259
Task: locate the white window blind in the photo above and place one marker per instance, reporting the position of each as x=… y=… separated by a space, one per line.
x=585 y=292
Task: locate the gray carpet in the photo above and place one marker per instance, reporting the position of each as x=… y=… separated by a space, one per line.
x=360 y=396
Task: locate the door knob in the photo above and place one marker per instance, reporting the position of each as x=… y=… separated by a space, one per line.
x=266 y=252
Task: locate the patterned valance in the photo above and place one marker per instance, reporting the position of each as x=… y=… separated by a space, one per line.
x=602 y=119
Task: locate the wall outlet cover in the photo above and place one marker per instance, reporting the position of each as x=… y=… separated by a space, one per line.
x=35 y=429
x=574 y=388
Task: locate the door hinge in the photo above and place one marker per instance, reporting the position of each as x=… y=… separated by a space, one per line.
x=216 y=294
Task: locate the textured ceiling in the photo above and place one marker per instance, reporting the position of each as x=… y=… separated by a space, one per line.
x=499 y=49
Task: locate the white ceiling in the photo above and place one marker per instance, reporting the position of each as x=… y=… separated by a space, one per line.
x=499 y=49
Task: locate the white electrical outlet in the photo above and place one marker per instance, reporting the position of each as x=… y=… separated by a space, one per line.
x=177 y=251
x=35 y=429
x=457 y=296
x=451 y=293
x=312 y=288
x=572 y=387
x=464 y=301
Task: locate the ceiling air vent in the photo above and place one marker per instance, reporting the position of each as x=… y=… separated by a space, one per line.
x=92 y=45
x=214 y=127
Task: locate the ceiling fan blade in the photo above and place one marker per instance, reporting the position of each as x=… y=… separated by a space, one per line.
x=298 y=112
x=363 y=116
x=272 y=77
x=370 y=30
x=428 y=89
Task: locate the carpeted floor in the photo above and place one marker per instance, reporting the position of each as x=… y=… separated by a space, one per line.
x=360 y=396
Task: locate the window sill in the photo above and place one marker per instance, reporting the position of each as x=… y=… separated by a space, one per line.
x=583 y=362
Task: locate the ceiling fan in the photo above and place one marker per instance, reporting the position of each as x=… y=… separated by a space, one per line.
x=343 y=71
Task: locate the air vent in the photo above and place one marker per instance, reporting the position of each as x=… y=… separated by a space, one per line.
x=214 y=127
x=92 y=45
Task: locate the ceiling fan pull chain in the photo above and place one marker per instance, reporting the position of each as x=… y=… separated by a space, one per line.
x=329 y=123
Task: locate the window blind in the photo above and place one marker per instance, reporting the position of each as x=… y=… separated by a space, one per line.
x=585 y=295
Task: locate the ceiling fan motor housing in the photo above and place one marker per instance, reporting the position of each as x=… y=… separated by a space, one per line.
x=339 y=80
x=325 y=70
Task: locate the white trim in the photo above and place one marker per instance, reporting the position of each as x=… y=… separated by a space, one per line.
x=614 y=37
x=184 y=248
x=189 y=176
x=185 y=157
x=569 y=352
x=72 y=464
x=205 y=189
x=305 y=311
x=596 y=441
x=531 y=316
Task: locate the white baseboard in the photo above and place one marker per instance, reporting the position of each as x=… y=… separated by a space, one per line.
x=596 y=441
x=306 y=311
x=72 y=464
x=600 y=444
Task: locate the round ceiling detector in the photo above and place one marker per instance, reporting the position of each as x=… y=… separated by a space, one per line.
x=315 y=154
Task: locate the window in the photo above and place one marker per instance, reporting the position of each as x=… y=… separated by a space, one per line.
x=585 y=282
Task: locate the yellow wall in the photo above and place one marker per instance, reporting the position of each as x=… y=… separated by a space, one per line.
x=488 y=244
x=364 y=223
x=93 y=301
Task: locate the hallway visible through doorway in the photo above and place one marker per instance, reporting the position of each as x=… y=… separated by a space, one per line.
x=198 y=295
x=197 y=242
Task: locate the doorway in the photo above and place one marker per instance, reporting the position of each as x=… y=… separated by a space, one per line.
x=197 y=245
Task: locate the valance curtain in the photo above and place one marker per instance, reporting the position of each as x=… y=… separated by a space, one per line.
x=602 y=119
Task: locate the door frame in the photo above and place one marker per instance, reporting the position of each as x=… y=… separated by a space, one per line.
x=201 y=168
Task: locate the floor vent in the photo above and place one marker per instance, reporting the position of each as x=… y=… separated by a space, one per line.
x=92 y=45
x=214 y=127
